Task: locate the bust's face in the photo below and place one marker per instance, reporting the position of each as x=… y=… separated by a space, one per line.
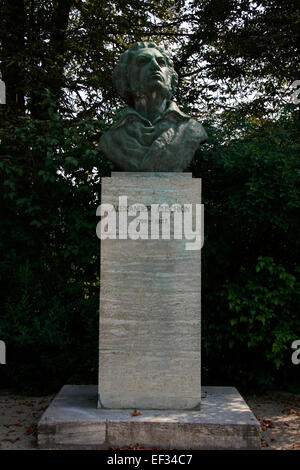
x=149 y=71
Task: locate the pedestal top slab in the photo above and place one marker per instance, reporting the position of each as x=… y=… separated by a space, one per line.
x=224 y=421
x=147 y=174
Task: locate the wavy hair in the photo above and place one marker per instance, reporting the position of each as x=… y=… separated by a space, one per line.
x=122 y=70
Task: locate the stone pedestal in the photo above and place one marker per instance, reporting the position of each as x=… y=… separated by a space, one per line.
x=224 y=421
x=149 y=357
x=149 y=346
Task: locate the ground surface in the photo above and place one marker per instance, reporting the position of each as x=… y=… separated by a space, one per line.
x=277 y=412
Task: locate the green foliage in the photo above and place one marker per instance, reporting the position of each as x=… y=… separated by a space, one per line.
x=56 y=60
x=263 y=310
x=69 y=47
x=250 y=178
x=50 y=253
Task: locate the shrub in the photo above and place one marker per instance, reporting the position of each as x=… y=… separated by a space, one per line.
x=250 y=299
x=50 y=253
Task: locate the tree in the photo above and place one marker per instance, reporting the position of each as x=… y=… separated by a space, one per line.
x=56 y=60
x=241 y=55
x=69 y=47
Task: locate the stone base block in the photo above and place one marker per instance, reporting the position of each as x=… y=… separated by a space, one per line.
x=72 y=421
x=150 y=296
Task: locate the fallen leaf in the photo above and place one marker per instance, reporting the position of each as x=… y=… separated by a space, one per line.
x=266 y=424
x=12 y=440
x=294 y=412
x=32 y=429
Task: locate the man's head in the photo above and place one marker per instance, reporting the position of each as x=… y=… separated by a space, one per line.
x=144 y=68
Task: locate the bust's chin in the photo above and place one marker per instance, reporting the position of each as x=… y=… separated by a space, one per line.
x=154 y=86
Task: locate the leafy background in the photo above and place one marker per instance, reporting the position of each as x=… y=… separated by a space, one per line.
x=236 y=62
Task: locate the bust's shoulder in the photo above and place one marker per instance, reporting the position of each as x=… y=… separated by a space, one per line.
x=198 y=128
x=195 y=130
x=190 y=125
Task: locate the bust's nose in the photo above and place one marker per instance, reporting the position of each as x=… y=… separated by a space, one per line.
x=154 y=64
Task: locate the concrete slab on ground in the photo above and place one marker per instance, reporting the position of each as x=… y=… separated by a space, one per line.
x=224 y=421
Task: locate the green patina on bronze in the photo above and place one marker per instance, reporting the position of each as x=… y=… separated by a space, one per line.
x=152 y=134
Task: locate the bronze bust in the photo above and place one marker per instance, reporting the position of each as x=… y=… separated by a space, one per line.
x=153 y=134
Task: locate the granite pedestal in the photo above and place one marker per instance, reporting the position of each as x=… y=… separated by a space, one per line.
x=224 y=421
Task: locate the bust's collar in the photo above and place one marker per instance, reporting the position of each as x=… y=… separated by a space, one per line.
x=171 y=108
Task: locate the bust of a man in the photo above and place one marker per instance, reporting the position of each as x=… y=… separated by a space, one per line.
x=153 y=134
